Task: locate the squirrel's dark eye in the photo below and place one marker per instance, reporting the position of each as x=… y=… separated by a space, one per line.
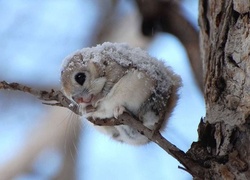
x=80 y=78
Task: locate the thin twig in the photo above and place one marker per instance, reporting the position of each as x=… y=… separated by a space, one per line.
x=105 y=122
x=53 y=98
x=192 y=167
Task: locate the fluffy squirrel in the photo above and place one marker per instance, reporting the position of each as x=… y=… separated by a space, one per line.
x=113 y=78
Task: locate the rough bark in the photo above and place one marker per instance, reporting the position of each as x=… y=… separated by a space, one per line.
x=223 y=148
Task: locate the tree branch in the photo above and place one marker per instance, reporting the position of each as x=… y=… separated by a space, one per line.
x=194 y=168
x=167 y=16
x=54 y=98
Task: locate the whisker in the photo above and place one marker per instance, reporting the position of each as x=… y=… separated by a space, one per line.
x=72 y=136
x=75 y=136
x=68 y=129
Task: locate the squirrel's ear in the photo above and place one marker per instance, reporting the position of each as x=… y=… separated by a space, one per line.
x=93 y=68
x=98 y=84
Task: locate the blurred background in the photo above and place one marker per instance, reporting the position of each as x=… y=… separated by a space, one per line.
x=40 y=142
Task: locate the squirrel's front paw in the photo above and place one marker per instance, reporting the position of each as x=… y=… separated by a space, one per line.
x=98 y=115
x=102 y=113
x=118 y=111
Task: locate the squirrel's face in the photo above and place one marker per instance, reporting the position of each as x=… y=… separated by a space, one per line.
x=81 y=81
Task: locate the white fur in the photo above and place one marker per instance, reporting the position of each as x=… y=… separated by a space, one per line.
x=130 y=92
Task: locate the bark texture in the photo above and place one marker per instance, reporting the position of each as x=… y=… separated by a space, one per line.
x=223 y=148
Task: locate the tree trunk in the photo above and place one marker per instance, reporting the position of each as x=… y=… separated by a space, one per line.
x=223 y=148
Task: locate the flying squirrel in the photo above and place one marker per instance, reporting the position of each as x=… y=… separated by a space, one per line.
x=114 y=78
